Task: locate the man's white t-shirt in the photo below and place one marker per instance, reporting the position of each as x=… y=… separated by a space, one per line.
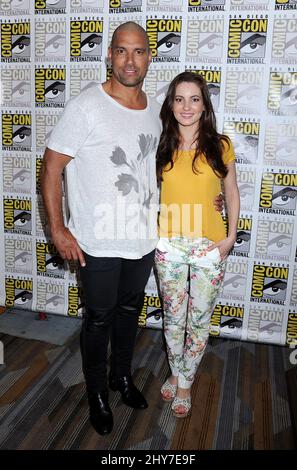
x=111 y=180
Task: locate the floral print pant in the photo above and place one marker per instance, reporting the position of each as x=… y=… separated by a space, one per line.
x=190 y=279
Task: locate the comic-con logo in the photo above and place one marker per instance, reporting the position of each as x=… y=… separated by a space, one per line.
x=50 y=86
x=125 y=6
x=151 y=312
x=86 y=6
x=280 y=143
x=269 y=283
x=50 y=40
x=157 y=81
x=247 y=40
x=14 y=7
x=226 y=321
x=259 y=5
x=86 y=40
x=42 y=225
x=17 y=215
x=213 y=79
x=164 y=5
x=206 y=5
x=205 y=40
x=291 y=336
x=76 y=303
x=38 y=164
x=50 y=7
x=18 y=254
x=164 y=39
x=243 y=238
x=285 y=5
x=16 y=132
x=265 y=324
x=246 y=179
x=83 y=77
x=49 y=262
x=293 y=299
x=274 y=239
x=15 y=42
x=18 y=293
x=243 y=91
x=17 y=173
x=45 y=122
x=278 y=193
x=50 y=296
x=284 y=40
x=282 y=93
x=16 y=86
x=245 y=138
x=235 y=279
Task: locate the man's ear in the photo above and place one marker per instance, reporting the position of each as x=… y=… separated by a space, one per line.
x=109 y=54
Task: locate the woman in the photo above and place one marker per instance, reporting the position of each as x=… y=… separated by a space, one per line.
x=193 y=159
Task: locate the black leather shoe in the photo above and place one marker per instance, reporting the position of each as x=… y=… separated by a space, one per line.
x=100 y=413
x=131 y=396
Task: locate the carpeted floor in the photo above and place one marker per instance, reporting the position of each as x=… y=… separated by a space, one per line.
x=244 y=397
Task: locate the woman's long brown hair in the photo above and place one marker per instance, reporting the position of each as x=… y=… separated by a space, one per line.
x=209 y=142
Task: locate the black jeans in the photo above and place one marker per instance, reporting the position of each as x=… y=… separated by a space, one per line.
x=114 y=293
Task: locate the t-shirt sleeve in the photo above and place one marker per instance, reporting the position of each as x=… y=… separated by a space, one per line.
x=228 y=153
x=71 y=131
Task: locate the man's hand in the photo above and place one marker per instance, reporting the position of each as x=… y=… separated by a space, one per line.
x=67 y=245
x=219 y=203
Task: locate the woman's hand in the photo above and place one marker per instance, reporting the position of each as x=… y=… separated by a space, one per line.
x=224 y=246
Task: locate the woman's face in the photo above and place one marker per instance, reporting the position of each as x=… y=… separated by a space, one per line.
x=188 y=104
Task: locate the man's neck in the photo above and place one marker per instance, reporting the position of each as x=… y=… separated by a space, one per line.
x=130 y=97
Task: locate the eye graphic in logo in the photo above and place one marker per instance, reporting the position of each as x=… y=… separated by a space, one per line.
x=55 y=3
x=288 y=100
x=23 y=298
x=252 y=45
x=55 y=45
x=275 y=289
x=55 y=303
x=246 y=147
x=291 y=45
x=210 y=44
x=246 y=191
x=22 y=179
x=284 y=198
x=20 y=136
x=21 y=92
x=91 y=43
x=234 y=284
x=22 y=259
x=168 y=44
x=20 y=4
x=286 y=149
x=242 y=242
x=248 y=96
x=280 y=244
x=154 y=318
x=22 y=220
x=20 y=45
x=270 y=331
x=231 y=327
x=54 y=90
x=54 y=263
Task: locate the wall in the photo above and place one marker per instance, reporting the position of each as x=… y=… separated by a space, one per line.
x=247 y=51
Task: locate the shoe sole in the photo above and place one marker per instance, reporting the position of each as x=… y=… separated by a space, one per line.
x=181 y=415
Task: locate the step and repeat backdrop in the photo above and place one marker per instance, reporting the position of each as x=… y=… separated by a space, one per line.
x=247 y=52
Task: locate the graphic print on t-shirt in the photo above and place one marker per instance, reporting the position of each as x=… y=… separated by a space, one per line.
x=134 y=173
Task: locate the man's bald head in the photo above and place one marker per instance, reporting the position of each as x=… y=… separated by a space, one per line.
x=129 y=26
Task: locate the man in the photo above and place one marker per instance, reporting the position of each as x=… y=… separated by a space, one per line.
x=107 y=139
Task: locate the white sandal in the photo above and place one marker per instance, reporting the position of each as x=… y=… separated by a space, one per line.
x=185 y=402
x=168 y=387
